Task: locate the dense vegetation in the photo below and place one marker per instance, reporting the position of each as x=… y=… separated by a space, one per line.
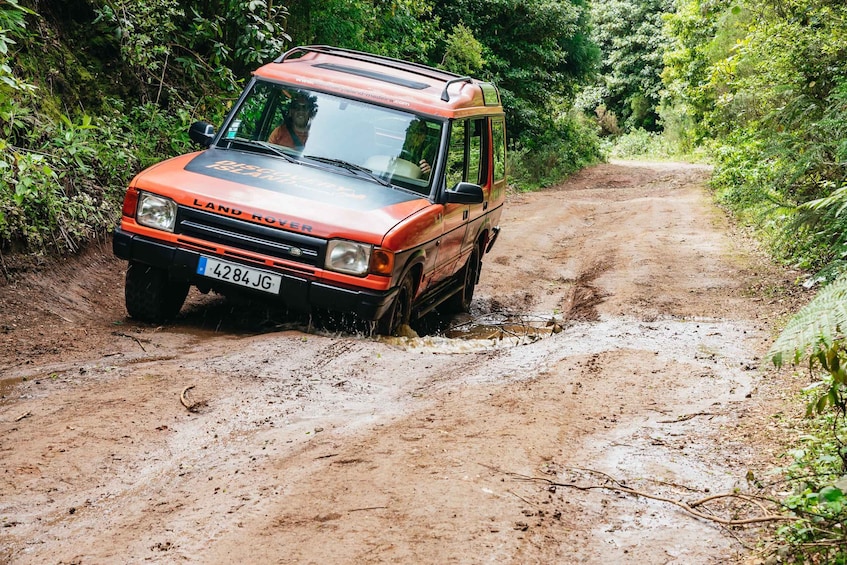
x=91 y=91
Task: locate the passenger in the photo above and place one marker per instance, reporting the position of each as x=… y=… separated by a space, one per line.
x=419 y=147
x=294 y=130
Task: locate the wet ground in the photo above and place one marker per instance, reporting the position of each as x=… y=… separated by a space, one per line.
x=617 y=338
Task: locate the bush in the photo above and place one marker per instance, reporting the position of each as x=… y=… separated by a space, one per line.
x=643 y=144
x=817 y=471
x=570 y=144
x=69 y=190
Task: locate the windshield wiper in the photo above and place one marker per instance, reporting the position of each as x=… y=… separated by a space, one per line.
x=270 y=147
x=352 y=167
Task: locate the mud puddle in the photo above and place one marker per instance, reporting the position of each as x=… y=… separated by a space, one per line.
x=482 y=330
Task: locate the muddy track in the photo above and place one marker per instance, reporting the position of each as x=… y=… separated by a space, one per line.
x=618 y=331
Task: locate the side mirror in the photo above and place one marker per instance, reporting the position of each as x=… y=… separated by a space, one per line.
x=465 y=193
x=202 y=133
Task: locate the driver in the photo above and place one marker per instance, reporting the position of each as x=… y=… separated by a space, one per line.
x=294 y=130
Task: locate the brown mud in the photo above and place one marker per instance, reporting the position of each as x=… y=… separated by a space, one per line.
x=618 y=332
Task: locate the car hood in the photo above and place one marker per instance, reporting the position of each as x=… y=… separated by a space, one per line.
x=322 y=201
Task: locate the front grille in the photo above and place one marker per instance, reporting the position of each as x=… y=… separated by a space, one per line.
x=248 y=236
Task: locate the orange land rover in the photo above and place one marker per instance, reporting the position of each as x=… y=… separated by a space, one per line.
x=340 y=180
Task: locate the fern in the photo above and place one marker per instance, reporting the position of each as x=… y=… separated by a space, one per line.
x=837 y=198
x=819 y=325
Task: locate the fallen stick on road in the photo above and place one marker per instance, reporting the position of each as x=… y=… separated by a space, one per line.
x=138 y=341
x=191 y=406
x=686 y=417
x=689 y=507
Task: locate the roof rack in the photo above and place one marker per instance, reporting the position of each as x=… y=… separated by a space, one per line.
x=416 y=68
x=446 y=97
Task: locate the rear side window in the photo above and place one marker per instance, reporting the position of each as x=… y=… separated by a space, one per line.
x=498 y=135
x=475 y=160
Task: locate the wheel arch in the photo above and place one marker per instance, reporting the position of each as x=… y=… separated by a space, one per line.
x=414 y=265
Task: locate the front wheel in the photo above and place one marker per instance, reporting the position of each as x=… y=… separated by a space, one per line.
x=150 y=295
x=400 y=312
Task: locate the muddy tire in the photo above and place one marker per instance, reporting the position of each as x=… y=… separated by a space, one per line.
x=400 y=313
x=150 y=296
x=461 y=301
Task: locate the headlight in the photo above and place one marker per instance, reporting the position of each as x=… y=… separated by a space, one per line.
x=156 y=212
x=348 y=257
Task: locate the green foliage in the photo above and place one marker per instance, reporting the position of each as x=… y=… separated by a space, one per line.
x=69 y=190
x=643 y=144
x=463 y=54
x=569 y=146
x=44 y=203
x=629 y=33
x=536 y=51
x=816 y=476
x=328 y=22
x=694 y=30
x=679 y=128
x=191 y=50
x=823 y=224
x=13 y=89
x=819 y=465
x=404 y=29
x=767 y=82
x=12 y=25
x=817 y=328
x=144 y=32
x=240 y=34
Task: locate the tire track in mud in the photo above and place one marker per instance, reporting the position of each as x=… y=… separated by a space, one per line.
x=581 y=301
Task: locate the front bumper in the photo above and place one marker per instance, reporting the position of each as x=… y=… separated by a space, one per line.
x=297 y=292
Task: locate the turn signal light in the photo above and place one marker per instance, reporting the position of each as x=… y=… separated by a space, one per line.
x=382 y=262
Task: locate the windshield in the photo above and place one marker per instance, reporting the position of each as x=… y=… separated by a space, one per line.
x=360 y=137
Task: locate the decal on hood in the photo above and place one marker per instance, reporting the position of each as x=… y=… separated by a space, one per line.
x=303 y=181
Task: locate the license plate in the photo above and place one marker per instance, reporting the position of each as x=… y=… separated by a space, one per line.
x=239 y=274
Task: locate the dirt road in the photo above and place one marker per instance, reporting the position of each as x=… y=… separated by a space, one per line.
x=318 y=447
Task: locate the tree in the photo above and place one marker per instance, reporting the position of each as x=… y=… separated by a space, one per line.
x=397 y=28
x=463 y=54
x=630 y=36
x=536 y=51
